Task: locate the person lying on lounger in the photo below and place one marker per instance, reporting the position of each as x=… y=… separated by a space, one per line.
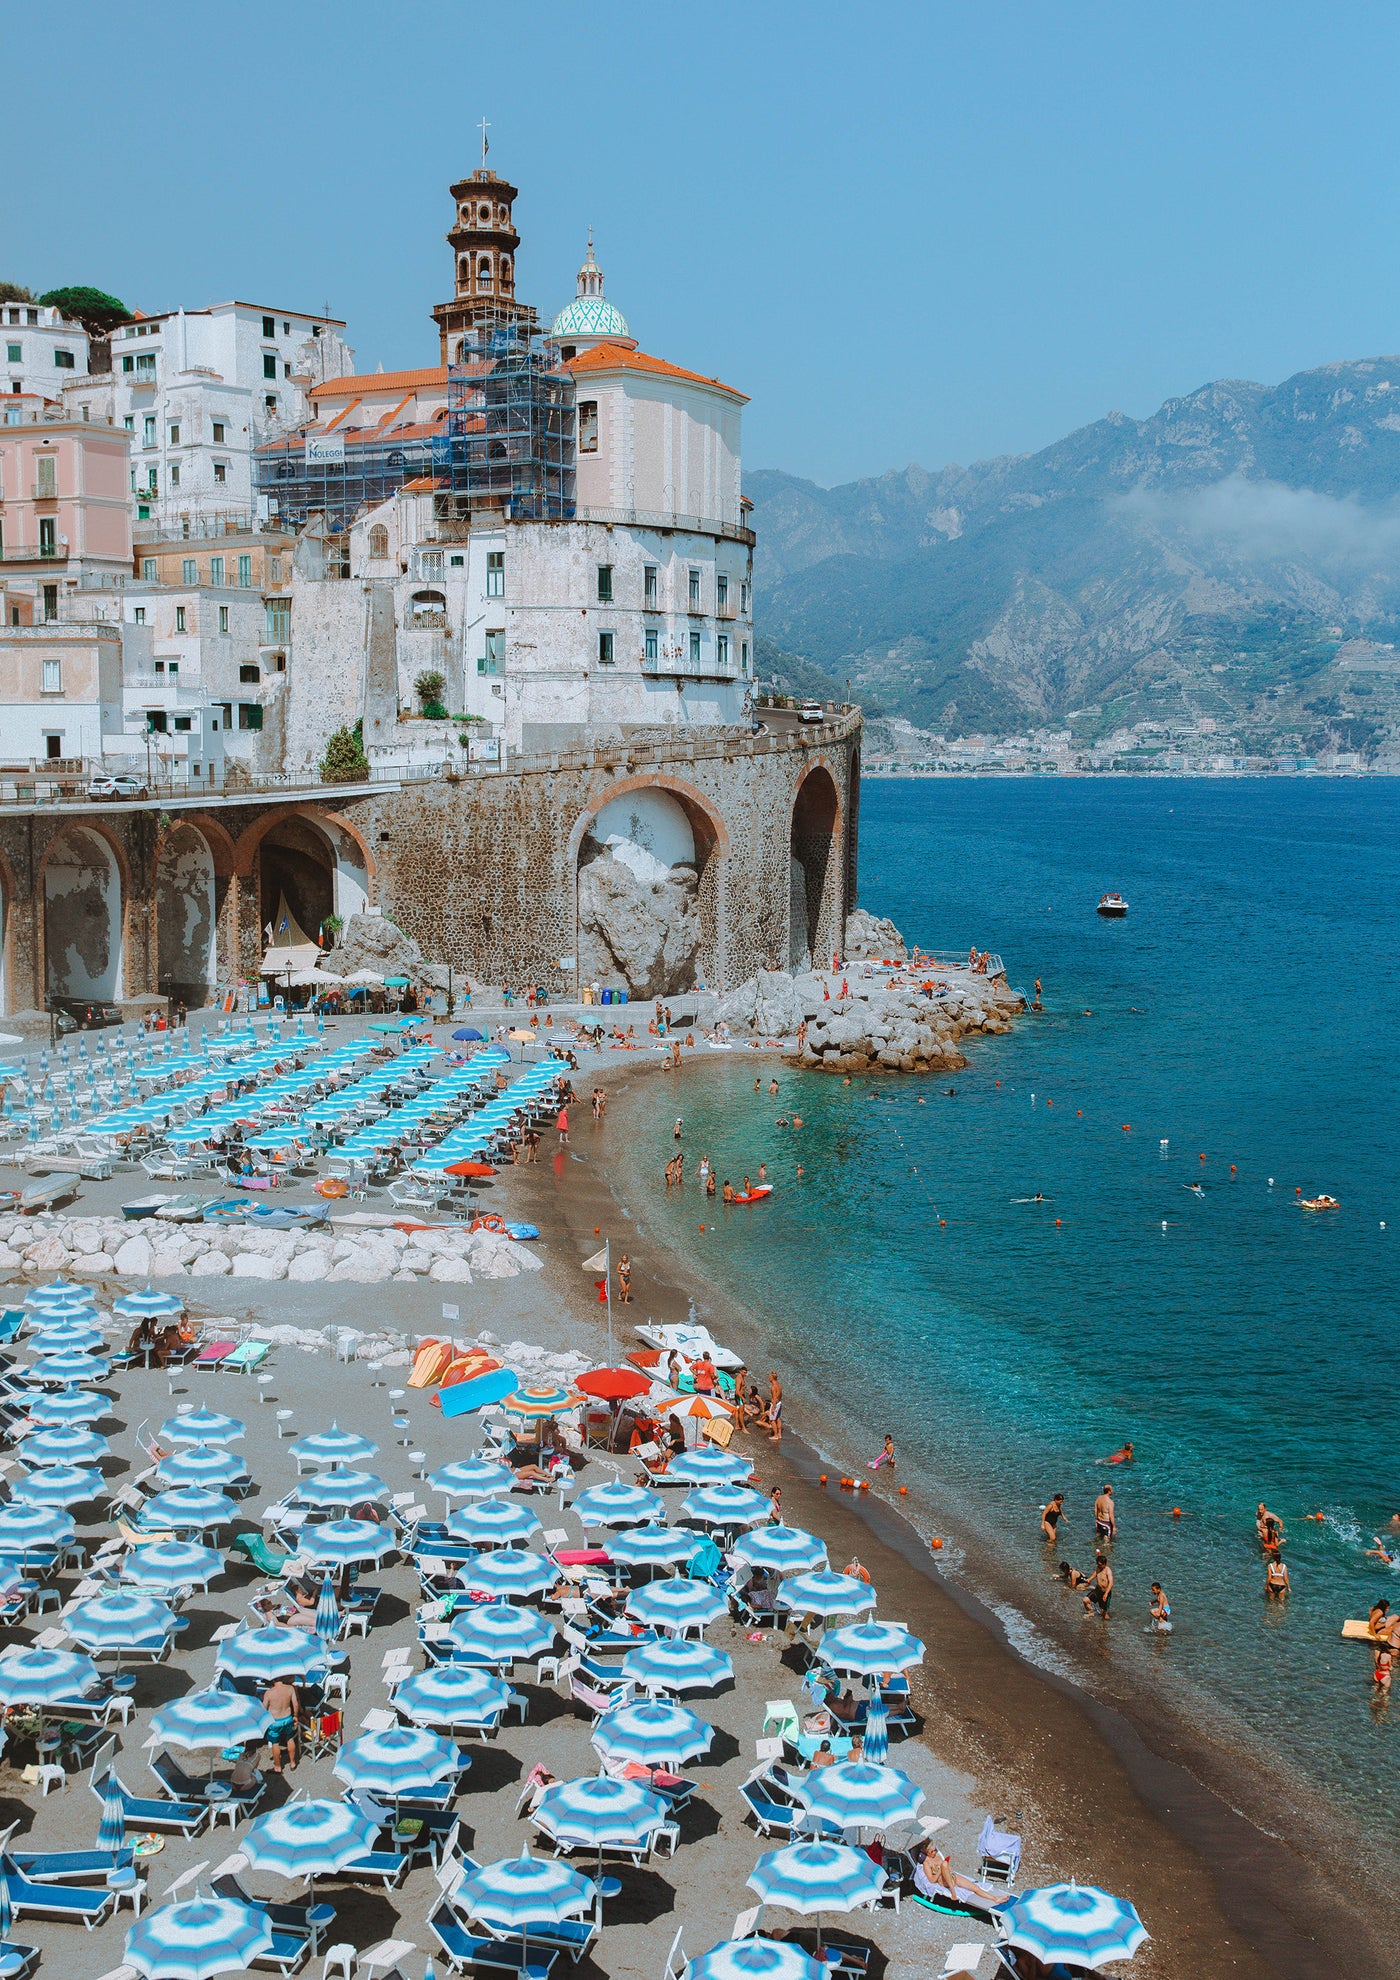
x=935 y=1877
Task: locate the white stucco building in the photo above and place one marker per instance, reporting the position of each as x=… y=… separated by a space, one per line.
x=43 y=351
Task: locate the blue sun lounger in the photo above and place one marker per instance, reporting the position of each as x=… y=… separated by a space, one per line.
x=462 y=1949
x=91 y=1907
x=70 y=1866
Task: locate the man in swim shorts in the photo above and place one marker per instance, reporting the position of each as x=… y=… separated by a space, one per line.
x=1100 y=1587
x=1105 y=1515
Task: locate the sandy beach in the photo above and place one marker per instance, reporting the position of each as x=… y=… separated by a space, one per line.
x=1094 y=1799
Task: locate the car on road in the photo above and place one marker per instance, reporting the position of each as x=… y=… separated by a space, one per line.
x=119 y=786
x=811 y=711
x=81 y=1013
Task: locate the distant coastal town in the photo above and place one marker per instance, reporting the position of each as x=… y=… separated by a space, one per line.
x=1147 y=749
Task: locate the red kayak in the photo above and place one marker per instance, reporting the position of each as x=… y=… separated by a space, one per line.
x=754 y=1195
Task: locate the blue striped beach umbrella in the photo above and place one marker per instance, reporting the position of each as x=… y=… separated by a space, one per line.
x=327 y=1611
x=334 y=1446
x=201 y=1464
x=59 y=1485
x=676 y=1665
x=876 y=1743
x=708 y=1465
x=498 y=1633
x=56 y=1294
x=309 y=1838
x=190 y=1506
x=33 y=1526
x=471 y=1478
x=724 y=1505
x=1074 y=1924
x=69 y=1406
x=121 y=1620
x=341 y=1486
x=786 y=1548
x=202 y=1426
x=270 y=1653
x=524 y=1891
x=816 y=1876
x=597 y=1811
x=346 y=1542
x=452 y=1695
x=826 y=1594
x=855 y=1794
x=869 y=1648
x=148 y=1304
x=66 y=1337
x=756 y=1959
x=111 y=1827
x=44 y=1677
x=197 y=1939
x=70 y=1365
x=397 y=1759
x=70 y=1444
x=679 y=1603
x=653 y=1732
x=209 y=1718
x=619 y=1504
x=508 y=1571
x=493 y=1522
x=652 y=1546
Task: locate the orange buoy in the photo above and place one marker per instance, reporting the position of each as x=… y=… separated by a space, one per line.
x=1201 y=1158
x=1176 y=1512
x=1080 y=1112
x=1299 y=1190
x=597 y=1230
x=1057 y=1221
x=1049 y=1103
x=822 y=1479
x=943 y=1223
x=865 y=1484
x=1233 y=1170
x=998 y=1082
x=903 y=1491
x=1127 y=1127
x=935 y=1543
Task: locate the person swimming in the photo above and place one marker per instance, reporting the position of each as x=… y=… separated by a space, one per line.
x=1123 y=1455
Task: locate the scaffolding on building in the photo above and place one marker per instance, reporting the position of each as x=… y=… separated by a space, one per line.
x=505 y=444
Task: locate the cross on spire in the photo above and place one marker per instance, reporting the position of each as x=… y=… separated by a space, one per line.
x=484 y=127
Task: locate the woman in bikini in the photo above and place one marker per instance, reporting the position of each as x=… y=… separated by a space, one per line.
x=1276 y=1582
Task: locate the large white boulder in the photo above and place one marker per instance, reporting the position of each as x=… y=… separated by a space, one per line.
x=133 y=1259
x=451 y=1271
x=211 y=1265
x=253 y=1265
x=309 y=1266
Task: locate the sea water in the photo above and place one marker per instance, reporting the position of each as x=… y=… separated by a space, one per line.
x=1237 y=1031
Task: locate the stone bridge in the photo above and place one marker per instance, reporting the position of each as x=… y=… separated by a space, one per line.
x=750 y=840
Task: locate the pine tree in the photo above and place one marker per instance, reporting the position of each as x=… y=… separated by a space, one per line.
x=345 y=761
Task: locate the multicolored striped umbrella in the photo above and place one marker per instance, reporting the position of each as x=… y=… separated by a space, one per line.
x=397 y=1759
x=816 y=1876
x=1072 y=1924
x=619 y=1504
x=724 y=1505
x=471 y=1478
x=756 y=1959
x=598 y=1811
x=346 y=1542
x=498 y=1633
x=708 y=1465
x=44 y=1677
x=676 y=1665
x=270 y=1653
x=510 y=1571
x=59 y=1485
x=653 y=1732
x=197 y=1939
x=679 y=1603
x=202 y=1464
x=492 y=1522
x=209 y=1718
x=69 y=1444
x=786 y=1548
x=309 y=1838
x=536 y=1403
x=855 y=1794
x=334 y=1446
x=869 y=1648
x=202 y=1426
x=341 y=1486
x=826 y=1594
x=169 y=1565
x=452 y=1695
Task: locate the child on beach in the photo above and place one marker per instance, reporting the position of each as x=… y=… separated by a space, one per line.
x=886 y=1456
x=1160 y=1610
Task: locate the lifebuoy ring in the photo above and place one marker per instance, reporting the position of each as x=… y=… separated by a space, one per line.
x=332 y=1186
x=489 y=1221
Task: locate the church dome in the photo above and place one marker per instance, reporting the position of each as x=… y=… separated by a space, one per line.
x=590 y=316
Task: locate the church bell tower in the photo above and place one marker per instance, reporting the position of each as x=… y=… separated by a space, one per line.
x=484 y=244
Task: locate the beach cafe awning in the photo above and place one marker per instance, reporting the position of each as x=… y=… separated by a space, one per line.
x=289 y=947
x=396 y=983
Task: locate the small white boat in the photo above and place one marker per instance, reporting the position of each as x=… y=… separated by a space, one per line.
x=182 y=1210
x=147 y=1206
x=689 y=1342
x=1113 y=907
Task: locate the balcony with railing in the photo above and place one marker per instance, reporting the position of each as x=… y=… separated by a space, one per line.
x=682 y=667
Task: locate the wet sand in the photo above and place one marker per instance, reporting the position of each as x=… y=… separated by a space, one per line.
x=1098 y=1797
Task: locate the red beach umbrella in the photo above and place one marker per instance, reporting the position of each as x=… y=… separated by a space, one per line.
x=612 y=1384
x=469 y=1169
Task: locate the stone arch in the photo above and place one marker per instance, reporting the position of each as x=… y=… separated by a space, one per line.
x=188 y=902
x=282 y=841
x=815 y=868
x=620 y=917
x=83 y=883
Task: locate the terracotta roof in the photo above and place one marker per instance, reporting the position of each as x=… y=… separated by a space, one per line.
x=361 y=384
x=617 y=357
x=421 y=484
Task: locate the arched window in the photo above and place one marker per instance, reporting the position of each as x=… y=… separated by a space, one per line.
x=505 y=271
x=464 y=272
x=483 y=272
x=378 y=541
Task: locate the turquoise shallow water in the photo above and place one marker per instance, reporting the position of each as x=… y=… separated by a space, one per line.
x=1247 y=1010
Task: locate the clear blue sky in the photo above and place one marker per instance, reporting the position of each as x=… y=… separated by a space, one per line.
x=911 y=232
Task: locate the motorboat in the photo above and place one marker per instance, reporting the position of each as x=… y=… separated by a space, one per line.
x=1113 y=907
x=263 y=1216
x=691 y=1342
x=147 y=1206
x=185 y=1209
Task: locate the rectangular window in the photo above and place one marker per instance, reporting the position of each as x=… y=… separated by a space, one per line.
x=189 y=571
x=148 y=430
x=138 y=617
x=649 y=587
x=695 y=649
x=495 y=573
x=129 y=422
x=269 y=326
x=744 y=656
x=651 y=642
x=148 y=571
x=175 y=475
x=249 y=715
x=223 y=618
x=275 y=573
x=48 y=536
x=182 y=723
x=14 y=353
x=286 y=371
x=45 y=476
x=50 y=601
x=605 y=649
x=269 y=364
x=251 y=674
x=722 y=651
x=53 y=748
x=221 y=470
x=245 y=571
x=53 y=677
x=216 y=570
x=588 y=426
x=128 y=364
x=695 y=591
x=159 y=666
x=155 y=721
x=179 y=618
x=174 y=668
x=146 y=366
x=64 y=360
x=174 y=436
x=277 y=621
x=494 y=660
x=152 y=480
x=721 y=593
x=218 y=433
x=456 y=563
x=744 y=596
x=605 y=572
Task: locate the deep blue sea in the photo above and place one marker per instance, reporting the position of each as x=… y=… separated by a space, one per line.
x=1238 y=1030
